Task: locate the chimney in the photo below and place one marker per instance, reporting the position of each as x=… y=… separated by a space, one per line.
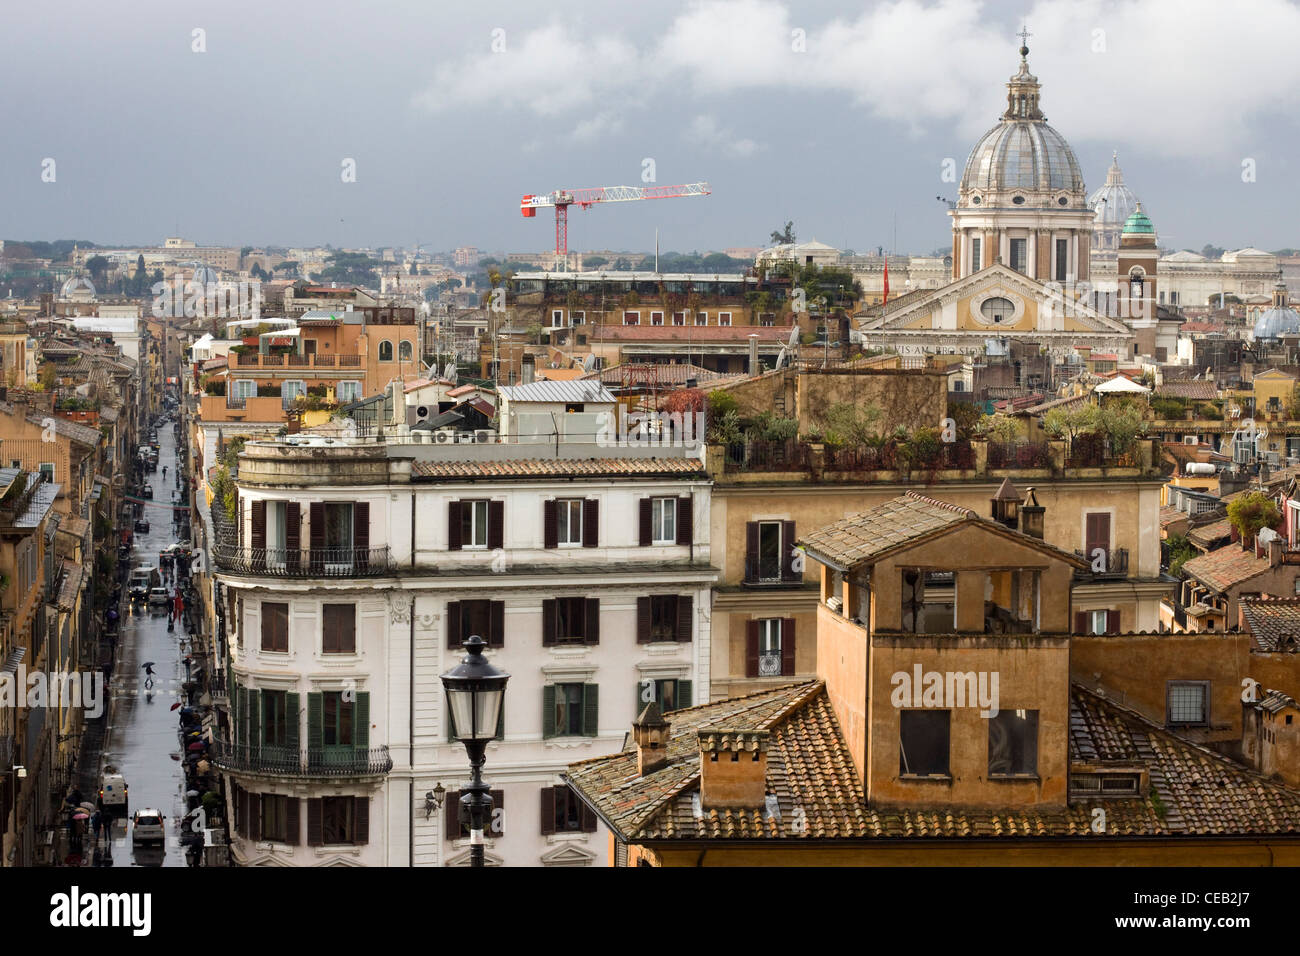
x=1274 y=552
x=733 y=768
x=1006 y=505
x=753 y=355
x=650 y=731
x=527 y=363
x=1031 y=515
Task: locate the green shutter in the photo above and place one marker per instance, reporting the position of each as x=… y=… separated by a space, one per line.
x=361 y=721
x=291 y=719
x=315 y=722
x=590 y=710
x=684 y=690
x=548 y=710
x=241 y=717
x=255 y=719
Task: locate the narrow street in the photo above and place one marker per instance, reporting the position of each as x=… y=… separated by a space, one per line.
x=141 y=740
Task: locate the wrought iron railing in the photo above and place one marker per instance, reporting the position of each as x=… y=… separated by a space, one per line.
x=312 y=762
x=767 y=456
x=769 y=665
x=319 y=562
x=1106 y=564
x=1019 y=455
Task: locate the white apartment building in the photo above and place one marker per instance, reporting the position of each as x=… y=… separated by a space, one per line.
x=350 y=578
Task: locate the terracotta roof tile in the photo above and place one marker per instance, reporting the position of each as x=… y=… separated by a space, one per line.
x=1273 y=623
x=1195 y=390
x=1222 y=568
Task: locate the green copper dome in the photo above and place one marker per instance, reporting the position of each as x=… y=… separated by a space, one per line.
x=1138 y=223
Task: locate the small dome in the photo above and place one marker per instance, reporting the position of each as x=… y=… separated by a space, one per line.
x=1275 y=322
x=1114 y=202
x=1138 y=224
x=205 y=275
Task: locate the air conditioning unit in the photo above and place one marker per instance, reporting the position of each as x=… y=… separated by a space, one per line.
x=482 y=436
x=1190 y=440
x=441 y=437
x=465 y=438
x=416 y=414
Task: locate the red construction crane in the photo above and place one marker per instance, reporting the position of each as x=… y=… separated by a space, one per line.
x=562 y=199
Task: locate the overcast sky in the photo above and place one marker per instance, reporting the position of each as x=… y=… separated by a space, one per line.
x=836 y=115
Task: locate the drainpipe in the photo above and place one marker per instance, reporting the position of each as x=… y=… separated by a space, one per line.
x=410 y=709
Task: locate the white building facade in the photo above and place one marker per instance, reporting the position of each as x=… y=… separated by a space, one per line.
x=352 y=577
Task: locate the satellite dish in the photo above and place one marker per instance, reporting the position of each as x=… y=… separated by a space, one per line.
x=780 y=359
x=794 y=337
x=451 y=373
x=589 y=363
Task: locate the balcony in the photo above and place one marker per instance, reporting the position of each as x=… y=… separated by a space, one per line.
x=769 y=573
x=306 y=563
x=769 y=665
x=1114 y=564
x=312 y=762
x=258 y=360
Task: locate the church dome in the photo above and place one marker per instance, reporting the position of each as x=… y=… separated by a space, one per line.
x=1279 y=320
x=1138 y=224
x=1113 y=202
x=1022 y=153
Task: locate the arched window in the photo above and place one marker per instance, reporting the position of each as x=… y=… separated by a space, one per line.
x=385 y=351
x=405 y=351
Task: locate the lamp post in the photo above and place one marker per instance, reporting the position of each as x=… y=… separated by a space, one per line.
x=475 y=690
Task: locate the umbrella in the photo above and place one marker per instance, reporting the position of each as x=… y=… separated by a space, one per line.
x=197 y=745
x=176 y=756
x=81 y=815
x=147 y=664
x=87 y=805
x=175 y=705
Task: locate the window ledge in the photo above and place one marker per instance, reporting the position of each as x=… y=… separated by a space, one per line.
x=661 y=648
x=334 y=849
x=568 y=743
x=928 y=778
x=568 y=836
x=1014 y=777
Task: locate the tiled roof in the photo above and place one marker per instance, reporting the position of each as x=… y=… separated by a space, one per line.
x=1226 y=566
x=1200 y=391
x=82 y=434
x=687 y=334
x=1197 y=325
x=900 y=521
x=1169 y=515
x=558 y=468
x=1194 y=791
x=1207 y=534
x=1273 y=623
x=1274 y=701
x=634 y=375
x=73 y=575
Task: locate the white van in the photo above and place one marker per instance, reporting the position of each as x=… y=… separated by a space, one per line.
x=113 y=796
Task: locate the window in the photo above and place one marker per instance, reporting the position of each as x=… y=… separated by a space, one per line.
x=385 y=351
x=769 y=551
x=338 y=821
x=656 y=318
x=291 y=389
x=405 y=351
x=663 y=520
x=243 y=388
x=338 y=719
x=568 y=516
x=769 y=647
x=724 y=318
x=1173 y=298
x=275 y=627
x=1062 y=258
x=570 y=620
x=679 y=318
x=557 y=318
x=467 y=618
x=669 y=693
x=974 y=255
x=275 y=719
x=563 y=812
x=1098 y=622
x=997 y=309
x=923 y=743
x=663 y=617
x=631 y=318
x=579 y=318
x=338 y=531
x=1187 y=702
x=47 y=470
x=701 y=318
x=474 y=524
x=345 y=392
x=1013 y=743
x=1018 y=252
x=569 y=710
x=1105 y=784
x=279 y=821
x=339 y=628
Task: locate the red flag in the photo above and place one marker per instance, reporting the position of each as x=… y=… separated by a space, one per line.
x=886 y=282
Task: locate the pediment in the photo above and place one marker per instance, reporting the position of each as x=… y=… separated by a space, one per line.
x=569 y=854
x=462 y=859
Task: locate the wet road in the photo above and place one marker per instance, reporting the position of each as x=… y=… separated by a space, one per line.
x=142 y=740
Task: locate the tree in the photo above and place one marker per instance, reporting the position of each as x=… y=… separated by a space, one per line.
x=1069 y=423
x=1122 y=422
x=414 y=271
x=287 y=266
x=1253 y=512
x=1212 y=252
x=683 y=401
x=966 y=417
x=534 y=332
x=784 y=237
x=1180 y=551
x=845 y=423
x=998 y=428
x=244 y=250
x=593 y=262
x=97 y=266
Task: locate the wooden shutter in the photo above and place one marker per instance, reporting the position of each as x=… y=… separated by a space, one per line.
x=291 y=819
x=259 y=534
x=453 y=526
x=646 y=529
x=588 y=814
x=315 y=828
x=292 y=706
x=685 y=618
x=685 y=520
x=548 y=710
x=592 y=635
x=1081 y=622
x=591 y=522
x=316 y=530
x=685 y=693
x=1097 y=532
x=254 y=817
x=361 y=535
x=643 y=620
x=293 y=534
x=239 y=510
x=1112 y=622
x=451 y=829
x=315 y=723
x=453 y=625
x=496 y=822
x=751 y=648
x=496 y=524
x=361 y=721
x=751 y=550
x=361 y=819
x=788 y=573
x=787 y=646
x=496 y=636
x=590 y=710
x=548 y=811
x=548 y=622
x=550 y=526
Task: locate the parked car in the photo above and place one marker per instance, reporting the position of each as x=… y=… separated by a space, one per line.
x=158 y=597
x=113 y=796
x=142 y=525
x=147 y=826
x=148 y=491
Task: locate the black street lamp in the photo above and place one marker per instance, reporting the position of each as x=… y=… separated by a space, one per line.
x=475 y=690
